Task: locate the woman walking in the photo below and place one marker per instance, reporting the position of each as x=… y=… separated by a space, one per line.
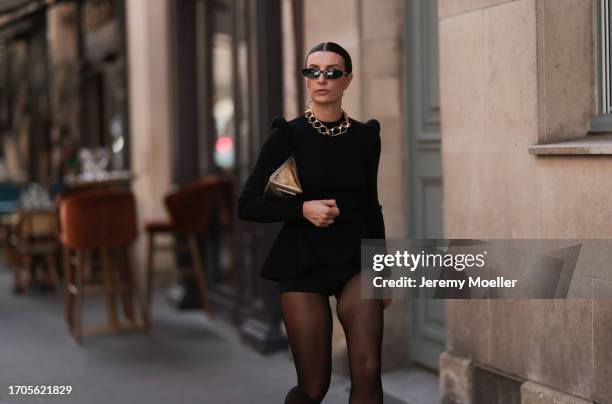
x=317 y=252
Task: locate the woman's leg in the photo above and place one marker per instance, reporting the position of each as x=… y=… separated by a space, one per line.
x=362 y=320
x=308 y=321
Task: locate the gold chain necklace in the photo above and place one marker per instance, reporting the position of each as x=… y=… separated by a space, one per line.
x=324 y=130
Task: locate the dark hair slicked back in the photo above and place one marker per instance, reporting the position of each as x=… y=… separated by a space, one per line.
x=334 y=47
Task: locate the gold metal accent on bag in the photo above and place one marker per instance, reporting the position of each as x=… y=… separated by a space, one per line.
x=284 y=182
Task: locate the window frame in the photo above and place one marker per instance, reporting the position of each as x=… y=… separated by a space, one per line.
x=603 y=121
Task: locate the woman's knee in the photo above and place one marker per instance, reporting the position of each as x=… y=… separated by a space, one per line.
x=365 y=368
x=316 y=389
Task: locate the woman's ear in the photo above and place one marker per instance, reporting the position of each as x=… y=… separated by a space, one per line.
x=348 y=80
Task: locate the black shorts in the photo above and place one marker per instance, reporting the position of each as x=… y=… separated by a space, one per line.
x=324 y=279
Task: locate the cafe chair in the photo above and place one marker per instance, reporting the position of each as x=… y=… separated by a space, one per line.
x=37 y=233
x=9 y=217
x=99 y=224
x=190 y=210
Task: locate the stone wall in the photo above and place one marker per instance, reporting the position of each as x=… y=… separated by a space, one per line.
x=514 y=74
x=148 y=38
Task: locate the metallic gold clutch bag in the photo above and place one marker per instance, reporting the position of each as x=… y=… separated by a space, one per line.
x=284 y=182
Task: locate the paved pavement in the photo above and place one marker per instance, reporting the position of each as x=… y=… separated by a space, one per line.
x=185 y=358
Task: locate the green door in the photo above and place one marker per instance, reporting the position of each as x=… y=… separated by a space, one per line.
x=424 y=166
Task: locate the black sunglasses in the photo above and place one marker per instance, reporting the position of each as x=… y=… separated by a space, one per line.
x=330 y=74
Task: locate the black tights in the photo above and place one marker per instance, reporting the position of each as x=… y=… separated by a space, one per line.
x=308 y=321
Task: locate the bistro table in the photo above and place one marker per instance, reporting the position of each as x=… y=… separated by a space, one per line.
x=108 y=179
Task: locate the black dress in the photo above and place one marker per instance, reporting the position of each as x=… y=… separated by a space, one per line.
x=305 y=257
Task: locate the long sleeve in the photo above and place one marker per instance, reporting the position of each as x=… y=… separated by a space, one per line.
x=252 y=206
x=373 y=212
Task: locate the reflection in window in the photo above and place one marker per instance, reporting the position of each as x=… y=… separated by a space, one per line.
x=223 y=102
x=243 y=82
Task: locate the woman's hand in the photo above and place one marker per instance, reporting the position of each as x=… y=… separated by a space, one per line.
x=321 y=213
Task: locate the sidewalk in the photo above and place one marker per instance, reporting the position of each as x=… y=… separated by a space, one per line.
x=186 y=358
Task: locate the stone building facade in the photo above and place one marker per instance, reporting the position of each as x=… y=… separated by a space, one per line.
x=519 y=79
x=519 y=95
x=477 y=100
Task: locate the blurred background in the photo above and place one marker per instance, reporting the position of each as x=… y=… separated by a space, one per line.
x=127 y=128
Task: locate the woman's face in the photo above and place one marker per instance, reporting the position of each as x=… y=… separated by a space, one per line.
x=322 y=90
